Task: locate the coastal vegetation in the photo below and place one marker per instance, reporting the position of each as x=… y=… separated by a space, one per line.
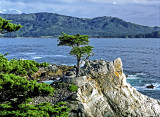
x=15 y=98
x=16 y=92
x=80 y=48
x=6 y=26
x=73 y=87
x=51 y=25
x=19 y=67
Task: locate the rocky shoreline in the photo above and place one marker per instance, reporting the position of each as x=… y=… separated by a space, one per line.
x=52 y=72
x=103 y=91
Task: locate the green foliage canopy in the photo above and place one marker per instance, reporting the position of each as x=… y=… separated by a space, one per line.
x=81 y=51
x=20 y=89
x=16 y=93
x=80 y=47
x=73 y=40
x=73 y=87
x=6 y=26
x=19 y=67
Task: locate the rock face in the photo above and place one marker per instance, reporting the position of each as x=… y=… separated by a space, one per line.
x=52 y=72
x=104 y=92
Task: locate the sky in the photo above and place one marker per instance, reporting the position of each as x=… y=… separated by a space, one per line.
x=143 y=12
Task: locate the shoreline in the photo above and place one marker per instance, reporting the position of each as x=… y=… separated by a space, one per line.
x=57 y=38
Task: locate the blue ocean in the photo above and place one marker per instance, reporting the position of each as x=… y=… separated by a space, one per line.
x=140 y=57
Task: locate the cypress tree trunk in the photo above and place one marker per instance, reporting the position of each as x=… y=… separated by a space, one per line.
x=78 y=67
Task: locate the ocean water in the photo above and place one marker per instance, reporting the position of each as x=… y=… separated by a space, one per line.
x=140 y=57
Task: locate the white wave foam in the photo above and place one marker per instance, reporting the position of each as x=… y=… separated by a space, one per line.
x=156 y=84
x=23 y=59
x=59 y=55
x=141 y=74
x=132 y=77
x=41 y=56
x=28 y=53
x=142 y=88
x=138 y=79
x=68 y=64
x=54 y=56
x=136 y=76
x=37 y=57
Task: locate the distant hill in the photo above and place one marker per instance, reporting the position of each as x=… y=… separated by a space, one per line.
x=51 y=25
x=155 y=34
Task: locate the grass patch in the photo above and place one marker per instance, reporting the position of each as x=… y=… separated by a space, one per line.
x=73 y=87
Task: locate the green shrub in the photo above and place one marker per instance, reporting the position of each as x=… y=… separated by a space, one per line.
x=19 y=67
x=16 y=93
x=73 y=87
x=40 y=110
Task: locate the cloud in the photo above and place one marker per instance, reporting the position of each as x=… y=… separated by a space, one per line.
x=10 y=11
x=137 y=11
x=156 y=2
x=114 y=3
x=42 y=1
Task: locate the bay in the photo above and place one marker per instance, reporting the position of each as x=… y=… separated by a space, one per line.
x=140 y=57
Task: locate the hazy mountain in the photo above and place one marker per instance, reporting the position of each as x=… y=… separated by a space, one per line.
x=49 y=24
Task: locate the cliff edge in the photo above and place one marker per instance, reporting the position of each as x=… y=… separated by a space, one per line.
x=104 y=92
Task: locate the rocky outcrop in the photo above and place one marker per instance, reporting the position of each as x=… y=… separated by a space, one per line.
x=51 y=72
x=104 y=92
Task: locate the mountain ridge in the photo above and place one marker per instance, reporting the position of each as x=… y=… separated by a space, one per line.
x=52 y=24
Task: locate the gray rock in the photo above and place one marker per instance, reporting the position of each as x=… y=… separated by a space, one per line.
x=49 y=66
x=52 y=67
x=70 y=73
x=95 y=61
x=104 y=92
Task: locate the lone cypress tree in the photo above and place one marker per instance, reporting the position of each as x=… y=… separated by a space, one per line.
x=80 y=48
x=6 y=26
